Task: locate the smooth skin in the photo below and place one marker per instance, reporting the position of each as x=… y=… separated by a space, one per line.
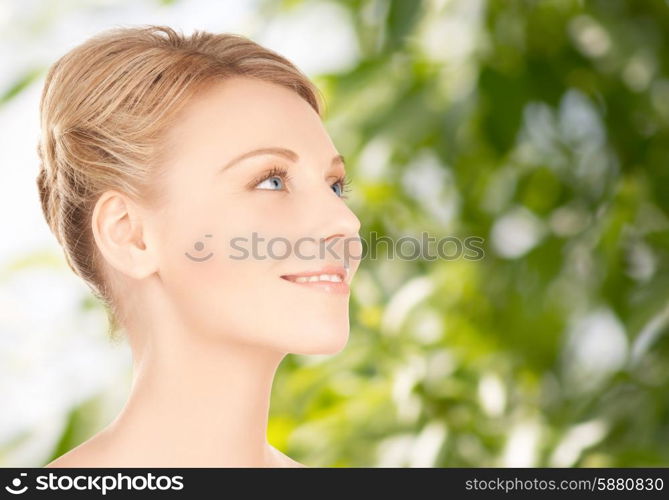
x=207 y=337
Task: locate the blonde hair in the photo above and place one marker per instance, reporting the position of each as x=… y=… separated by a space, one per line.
x=105 y=108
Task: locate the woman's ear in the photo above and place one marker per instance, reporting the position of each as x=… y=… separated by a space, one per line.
x=119 y=229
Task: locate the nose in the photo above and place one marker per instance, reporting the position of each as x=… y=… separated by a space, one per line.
x=338 y=229
x=338 y=220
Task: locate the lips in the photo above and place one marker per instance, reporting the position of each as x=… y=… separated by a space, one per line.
x=339 y=271
x=332 y=279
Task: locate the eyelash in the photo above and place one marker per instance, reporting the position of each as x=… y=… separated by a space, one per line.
x=285 y=176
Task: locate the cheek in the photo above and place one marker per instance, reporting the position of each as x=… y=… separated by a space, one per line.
x=244 y=298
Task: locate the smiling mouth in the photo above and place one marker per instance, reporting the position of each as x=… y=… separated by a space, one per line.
x=332 y=279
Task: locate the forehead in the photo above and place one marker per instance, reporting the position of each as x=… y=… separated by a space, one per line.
x=242 y=113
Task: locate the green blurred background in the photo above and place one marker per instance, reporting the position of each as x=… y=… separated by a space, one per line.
x=540 y=126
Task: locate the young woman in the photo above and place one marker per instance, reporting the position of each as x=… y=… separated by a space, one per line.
x=192 y=185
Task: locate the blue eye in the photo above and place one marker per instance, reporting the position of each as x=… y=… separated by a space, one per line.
x=273 y=181
x=343 y=183
x=271 y=176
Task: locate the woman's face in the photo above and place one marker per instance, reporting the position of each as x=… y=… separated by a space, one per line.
x=226 y=236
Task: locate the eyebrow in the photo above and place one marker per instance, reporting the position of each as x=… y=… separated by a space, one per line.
x=286 y=153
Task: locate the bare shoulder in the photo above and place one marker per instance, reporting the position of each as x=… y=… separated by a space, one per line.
x=73 y=458
x=283 y=460
x=95 y=452
x=87 y=454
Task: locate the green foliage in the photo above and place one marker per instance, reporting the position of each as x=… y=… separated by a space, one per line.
x=561 y=111
x=542 y=127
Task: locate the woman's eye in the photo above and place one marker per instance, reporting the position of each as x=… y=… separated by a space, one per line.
x=274 y=182
x=342 y=186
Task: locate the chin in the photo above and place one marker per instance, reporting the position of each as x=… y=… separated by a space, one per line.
x=327 y=344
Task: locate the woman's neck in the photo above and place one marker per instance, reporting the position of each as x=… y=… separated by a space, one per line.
x=196 y=402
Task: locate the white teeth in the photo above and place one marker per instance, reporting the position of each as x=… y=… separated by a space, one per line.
x=335 y=278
